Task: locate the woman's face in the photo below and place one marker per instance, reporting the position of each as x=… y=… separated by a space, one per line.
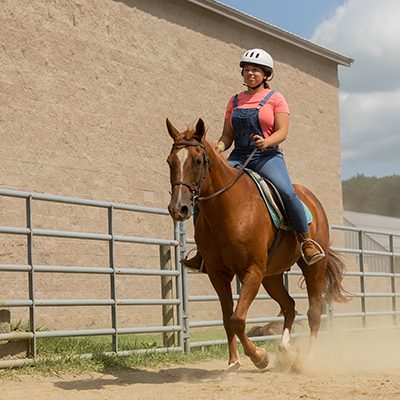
x=253 y=75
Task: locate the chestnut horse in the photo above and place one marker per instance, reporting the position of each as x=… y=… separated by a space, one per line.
x=234 y=232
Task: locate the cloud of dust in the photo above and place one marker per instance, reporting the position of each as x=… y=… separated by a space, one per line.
x=351 y=352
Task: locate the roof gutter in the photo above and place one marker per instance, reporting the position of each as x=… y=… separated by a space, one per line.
x=271 y=30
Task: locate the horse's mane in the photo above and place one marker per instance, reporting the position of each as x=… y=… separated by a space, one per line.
x=220 y=156
x=188 y=135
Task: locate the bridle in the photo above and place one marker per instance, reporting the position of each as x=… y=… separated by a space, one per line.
x=195 y=189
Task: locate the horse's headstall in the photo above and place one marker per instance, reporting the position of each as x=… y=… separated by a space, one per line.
x=188 y=143
x=193 y=143
x=195 y=189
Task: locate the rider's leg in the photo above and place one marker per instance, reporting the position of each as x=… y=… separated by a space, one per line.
x=274 y=169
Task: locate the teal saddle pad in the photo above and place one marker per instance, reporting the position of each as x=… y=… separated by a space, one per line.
x=276 y=217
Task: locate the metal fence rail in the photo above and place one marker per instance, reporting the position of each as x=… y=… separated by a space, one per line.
x=112 y=271
x=180 y=300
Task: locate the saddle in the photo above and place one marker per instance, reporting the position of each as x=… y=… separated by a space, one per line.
x=273 y=201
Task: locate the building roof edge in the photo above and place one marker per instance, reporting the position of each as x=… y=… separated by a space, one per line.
x=272 y=30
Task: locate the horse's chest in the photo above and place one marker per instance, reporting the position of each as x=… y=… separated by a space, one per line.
x=234 y=242
x=233 y=251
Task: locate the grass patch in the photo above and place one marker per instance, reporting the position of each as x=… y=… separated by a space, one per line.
x=62 y=355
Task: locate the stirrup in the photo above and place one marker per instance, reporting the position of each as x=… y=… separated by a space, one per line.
x=316 y=257
x=201 y=269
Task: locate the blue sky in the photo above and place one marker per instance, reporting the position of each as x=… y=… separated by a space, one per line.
x=300 y=17
x=368 y=32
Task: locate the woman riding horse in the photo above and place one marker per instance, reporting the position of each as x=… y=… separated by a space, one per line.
x=234 y=231
x=259 y=117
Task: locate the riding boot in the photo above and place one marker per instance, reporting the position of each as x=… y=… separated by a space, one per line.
x=196 y=263
x=311 y=251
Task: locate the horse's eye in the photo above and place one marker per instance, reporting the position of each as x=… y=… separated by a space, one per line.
x=198 y=161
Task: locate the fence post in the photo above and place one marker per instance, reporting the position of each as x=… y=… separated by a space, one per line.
x=393 y=280
x=179 y=283
x=5 y=321
x=362 y=278
x=31 y=277
x=185 y=291
x=113 y=284
x=167 y=294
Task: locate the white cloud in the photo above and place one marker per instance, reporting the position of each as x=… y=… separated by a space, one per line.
x=371 y=126
x=368 y=31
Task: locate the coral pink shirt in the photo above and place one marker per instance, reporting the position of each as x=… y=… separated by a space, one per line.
x=276 y=103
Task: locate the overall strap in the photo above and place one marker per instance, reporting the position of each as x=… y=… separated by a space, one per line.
x=265 y=99
x=235 y=100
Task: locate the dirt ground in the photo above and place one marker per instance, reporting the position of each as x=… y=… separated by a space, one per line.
x=363 y=368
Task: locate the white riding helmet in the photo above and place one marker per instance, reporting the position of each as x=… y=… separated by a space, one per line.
x=258 y=57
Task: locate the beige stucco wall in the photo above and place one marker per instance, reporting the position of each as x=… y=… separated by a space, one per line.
x=85 y=87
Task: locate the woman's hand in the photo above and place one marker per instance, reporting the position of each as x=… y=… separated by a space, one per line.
x=261 y=143
x=219 y=147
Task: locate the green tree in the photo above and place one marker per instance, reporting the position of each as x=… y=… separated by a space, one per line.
x=372 y=195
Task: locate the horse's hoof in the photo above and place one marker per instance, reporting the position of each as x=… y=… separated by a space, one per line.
x=264 y=361
x=233 y=367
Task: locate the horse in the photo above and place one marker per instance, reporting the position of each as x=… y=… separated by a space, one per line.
x=234 y=232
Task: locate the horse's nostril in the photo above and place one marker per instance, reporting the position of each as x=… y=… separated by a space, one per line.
x=184 y=211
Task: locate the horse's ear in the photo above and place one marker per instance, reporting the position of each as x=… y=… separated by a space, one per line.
x=173 y=132
x=200 y=130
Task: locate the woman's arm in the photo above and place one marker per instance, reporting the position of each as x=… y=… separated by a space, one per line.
x=280 y=134
x=226 y=139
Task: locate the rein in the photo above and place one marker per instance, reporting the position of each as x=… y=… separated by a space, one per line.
x=231 y=183
x=195 y=189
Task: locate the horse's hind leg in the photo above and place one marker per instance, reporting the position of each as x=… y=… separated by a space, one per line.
x=276 y=289
x=314 y=276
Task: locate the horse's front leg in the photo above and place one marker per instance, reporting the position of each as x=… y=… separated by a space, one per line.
x=222 y=285
x=251 y=282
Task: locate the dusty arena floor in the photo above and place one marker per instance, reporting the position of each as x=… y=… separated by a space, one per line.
x=368 y=369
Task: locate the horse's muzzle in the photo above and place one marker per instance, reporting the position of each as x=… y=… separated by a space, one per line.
x=180 y=211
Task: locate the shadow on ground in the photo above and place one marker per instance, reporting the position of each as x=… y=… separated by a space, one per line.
x=136 y=376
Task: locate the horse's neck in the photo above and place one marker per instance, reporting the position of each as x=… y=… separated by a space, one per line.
x=220 y=173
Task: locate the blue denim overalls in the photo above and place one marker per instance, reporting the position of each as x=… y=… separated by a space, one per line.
x=269 y=162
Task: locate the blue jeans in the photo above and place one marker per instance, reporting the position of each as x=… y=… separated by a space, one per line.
x=270 y=164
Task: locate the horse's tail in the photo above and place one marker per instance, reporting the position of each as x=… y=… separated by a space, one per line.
x=333 y=279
